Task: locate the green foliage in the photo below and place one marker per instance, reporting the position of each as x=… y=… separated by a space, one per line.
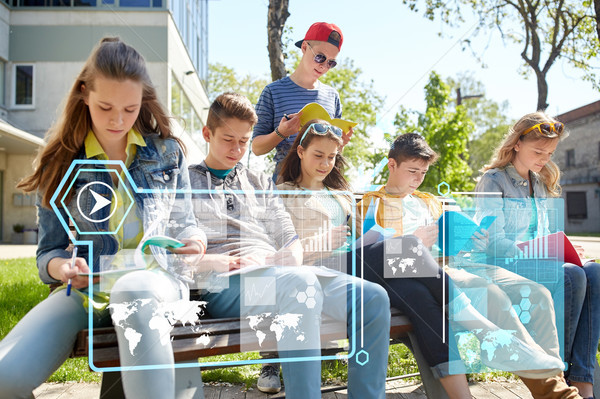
x=447 y=130
x=545 y=31
x=222 y=78
x=489 y=119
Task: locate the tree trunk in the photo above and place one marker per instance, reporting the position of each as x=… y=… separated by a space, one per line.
x=278 y=14
x=597 y=8
x=542 y=91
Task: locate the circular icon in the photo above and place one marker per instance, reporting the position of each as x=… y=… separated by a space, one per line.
x=101 y=202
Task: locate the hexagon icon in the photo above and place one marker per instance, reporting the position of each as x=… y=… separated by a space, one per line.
x=525 y=304
x=525 y=317
x=441 y=187
x=525 y=291
x=99 y=201
x=362 y=357
x=311 y=291
x=301 y=297
x=311 y=303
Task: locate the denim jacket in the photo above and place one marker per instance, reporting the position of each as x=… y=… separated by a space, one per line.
x=158 y=166
x=513 y=208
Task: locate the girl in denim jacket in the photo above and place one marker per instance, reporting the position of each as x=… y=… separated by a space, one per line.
x=523 y=172
x=111 y=114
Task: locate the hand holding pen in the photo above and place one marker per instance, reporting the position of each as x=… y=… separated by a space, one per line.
x=73 y=258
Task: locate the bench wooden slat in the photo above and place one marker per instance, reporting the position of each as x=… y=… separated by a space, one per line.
x=221 y=337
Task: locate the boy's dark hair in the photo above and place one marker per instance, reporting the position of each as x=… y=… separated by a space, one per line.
x=230 y=105
x=411 y=146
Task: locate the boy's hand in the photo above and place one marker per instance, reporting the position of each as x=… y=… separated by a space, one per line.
x=290 y=124
x=427 y=234
x=480 y=240
x=193 y=246
x=289 y=256
x=218 y=263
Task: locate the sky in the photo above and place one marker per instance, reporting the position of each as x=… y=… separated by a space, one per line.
x=397 y=49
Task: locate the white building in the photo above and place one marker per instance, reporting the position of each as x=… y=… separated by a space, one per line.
x=43 y=45
x=578 y=157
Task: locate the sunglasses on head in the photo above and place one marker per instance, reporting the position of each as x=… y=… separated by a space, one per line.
x=321 y=58
x=546 y=129
x=321 y=129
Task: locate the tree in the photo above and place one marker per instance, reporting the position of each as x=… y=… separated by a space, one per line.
x=277 y=15
x=222 y=78
x=548 y=30
x=597 y=16
x=488 y=117
x=446 y=129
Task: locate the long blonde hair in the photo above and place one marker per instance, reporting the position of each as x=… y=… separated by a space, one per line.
x=111 y=59
x=505 y=153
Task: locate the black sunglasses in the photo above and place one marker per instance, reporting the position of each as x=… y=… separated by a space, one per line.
x=321 y=58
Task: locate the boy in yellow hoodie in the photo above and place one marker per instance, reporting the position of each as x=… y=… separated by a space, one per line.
x=400 y=206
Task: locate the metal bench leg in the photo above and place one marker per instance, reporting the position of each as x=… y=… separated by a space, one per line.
x=432 y=385
x=111 y=388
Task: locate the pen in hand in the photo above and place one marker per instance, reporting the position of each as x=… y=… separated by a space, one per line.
x=73 y=257
x=290 y=242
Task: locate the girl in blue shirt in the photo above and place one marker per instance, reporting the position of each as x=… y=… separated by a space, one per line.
x=111 y=114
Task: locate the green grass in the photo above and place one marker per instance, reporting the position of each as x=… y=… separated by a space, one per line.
x=21 y=289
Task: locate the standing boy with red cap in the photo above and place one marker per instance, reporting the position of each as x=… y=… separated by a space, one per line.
x=279 y=118
x=280 y=102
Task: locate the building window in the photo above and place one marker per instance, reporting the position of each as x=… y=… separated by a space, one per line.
x=24 y=84
x=570 y=158
x=576 y=205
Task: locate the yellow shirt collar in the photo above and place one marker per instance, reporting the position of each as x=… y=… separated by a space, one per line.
x=93 y=149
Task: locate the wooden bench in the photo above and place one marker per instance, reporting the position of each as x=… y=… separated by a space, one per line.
x=226 y=336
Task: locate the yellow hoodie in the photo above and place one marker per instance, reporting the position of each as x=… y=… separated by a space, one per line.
x=390 y=214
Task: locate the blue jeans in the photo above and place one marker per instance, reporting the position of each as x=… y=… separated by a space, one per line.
x=420 y=298
x=577 y=304
x=303 y=378
x=582 y=320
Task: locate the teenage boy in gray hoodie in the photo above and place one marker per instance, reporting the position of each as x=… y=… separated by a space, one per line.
x=247 y=225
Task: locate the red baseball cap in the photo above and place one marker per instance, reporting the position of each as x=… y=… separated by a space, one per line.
x=324 y=32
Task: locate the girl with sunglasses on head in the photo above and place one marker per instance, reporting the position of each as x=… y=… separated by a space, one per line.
x=320 y=212
x=523 y=172
x=111 y=114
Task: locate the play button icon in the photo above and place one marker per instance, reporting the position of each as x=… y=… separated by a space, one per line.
x=100 y=202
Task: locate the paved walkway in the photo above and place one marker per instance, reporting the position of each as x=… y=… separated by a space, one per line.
x=17 y=251
x=395 y=390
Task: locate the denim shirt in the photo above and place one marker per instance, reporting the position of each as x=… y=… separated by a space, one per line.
x=158 y=170
x=512 y=207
